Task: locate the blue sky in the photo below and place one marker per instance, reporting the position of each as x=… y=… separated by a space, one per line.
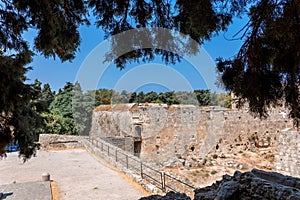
x=140 y=76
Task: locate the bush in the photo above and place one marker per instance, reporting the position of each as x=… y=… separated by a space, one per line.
x=213 y=172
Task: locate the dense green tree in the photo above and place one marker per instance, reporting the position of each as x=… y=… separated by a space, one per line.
x=63 y=100
x=133 y=97
x=40 y=104
x=47 y=95
x=54 y=122
x=103 y=96
x=83 y=105
x=151 y=97
x=266 y=70
x=203 y=97
x=57 y=25
x=214 y=99
x=19 y=104
x=61 y=108
x=185 y=97
x=140 y=97
x=224 y=100
x=168 y=98
x=122 y=97
x=71 y=110
x=220 y=99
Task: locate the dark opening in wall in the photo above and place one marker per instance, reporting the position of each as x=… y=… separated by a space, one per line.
x=137 y=148
x=138 y=131
x=157 y=147
x=192 y=148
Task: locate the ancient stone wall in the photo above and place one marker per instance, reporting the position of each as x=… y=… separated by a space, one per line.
x=54 y=141
x=125 y=144
x=182 y=134
x=287 y=157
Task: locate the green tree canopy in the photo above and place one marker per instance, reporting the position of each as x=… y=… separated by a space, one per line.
x=63 y=100
x=266 y=70
x=82 y=106
x=19 y=104
x=168 y=98
x=47 y=94
x=60 y=119
x=203 y=97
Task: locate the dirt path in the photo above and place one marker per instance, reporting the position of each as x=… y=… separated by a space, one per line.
x=78 y=175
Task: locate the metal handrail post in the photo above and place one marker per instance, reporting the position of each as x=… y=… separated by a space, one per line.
x=141 y=169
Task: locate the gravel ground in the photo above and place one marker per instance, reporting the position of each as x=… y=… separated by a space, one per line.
x=78 y=175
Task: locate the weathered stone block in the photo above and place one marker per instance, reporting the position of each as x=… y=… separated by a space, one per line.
x=256 y=184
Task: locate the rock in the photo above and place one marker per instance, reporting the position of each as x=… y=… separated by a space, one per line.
x=202 y=161
x=169 y=196
x=256 y=184
x=174 y=162
x=222 y=155
x=230 y=191
x=182 y=161
x=190 y=162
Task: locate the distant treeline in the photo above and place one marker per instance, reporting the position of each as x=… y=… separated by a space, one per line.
x=69 y=110
x=197 y=97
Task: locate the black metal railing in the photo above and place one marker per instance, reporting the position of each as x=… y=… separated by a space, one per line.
x=163 y=181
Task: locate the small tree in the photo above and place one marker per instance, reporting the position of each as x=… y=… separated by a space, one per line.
x=203 y=97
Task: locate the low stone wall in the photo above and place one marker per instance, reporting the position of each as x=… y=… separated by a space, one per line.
x=287 y=157
x=54 y=141
x=125 y=144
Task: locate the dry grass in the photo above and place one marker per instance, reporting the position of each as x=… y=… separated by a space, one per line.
x=171 y=108
x=102 y=108
x=121 y=106
x=134 y=108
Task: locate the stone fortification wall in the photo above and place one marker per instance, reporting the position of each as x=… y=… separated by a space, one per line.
x=181 y=134
x=287 y=157
x=113 y=121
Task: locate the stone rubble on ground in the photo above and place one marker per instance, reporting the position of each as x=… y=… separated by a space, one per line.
x=256 y=184
x=169 y=196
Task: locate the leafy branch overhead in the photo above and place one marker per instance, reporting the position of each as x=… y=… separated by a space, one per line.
x=266 y=70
